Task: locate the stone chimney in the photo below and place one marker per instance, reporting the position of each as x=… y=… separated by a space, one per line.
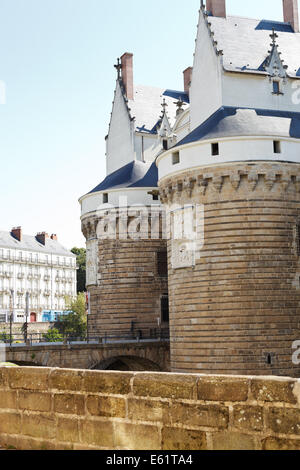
x=54 y=237
x=216 y=7
x=290 y=13
x=127 y=74
x=187 y=77
x=17 y=233
x=42 y=237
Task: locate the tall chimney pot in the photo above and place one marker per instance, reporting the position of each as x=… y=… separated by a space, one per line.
x=54 y=237
x=290 y=13
x=42 y=237
x=17 y=233
x=216 y=7
x=127 y=74
x=187 y=77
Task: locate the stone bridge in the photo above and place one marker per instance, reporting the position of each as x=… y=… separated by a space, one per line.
x=147 y=355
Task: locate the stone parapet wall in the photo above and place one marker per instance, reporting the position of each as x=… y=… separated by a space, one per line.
x=236 y=310
x=70 y=409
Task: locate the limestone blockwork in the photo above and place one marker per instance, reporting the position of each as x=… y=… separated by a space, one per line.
x=236 y=310
x=129 y=287
x=59 y=409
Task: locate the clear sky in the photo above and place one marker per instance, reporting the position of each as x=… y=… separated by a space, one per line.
x=56 y=58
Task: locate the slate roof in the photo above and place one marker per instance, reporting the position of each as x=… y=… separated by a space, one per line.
x=146 y=107
x=30 y=243
x=135 y=174
x=232 y=122
x=245 y=43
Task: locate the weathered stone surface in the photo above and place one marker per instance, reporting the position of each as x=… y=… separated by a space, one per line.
x=67 y=429
x=136 y=436
x=28 y=378
x=98 y=433
x=284 y=420
x=183 y=439
x=248 y=417
x=34 y=401
x=214 y=416
x=233 y=441
x=40 y=426
x=114 y=383
x=106 y=406
x=165 y=386
x=276 y=443
x=10 y=422
x=69 y=404
x=222 y=389
x=148 y=410
x=71 y=380
x=273 y=390
x=8 y=399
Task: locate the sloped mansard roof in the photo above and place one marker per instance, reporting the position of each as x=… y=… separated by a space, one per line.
x=232 y=122
x=30 y=243
x=245 y=43
x=135 y=174
x=146 y=107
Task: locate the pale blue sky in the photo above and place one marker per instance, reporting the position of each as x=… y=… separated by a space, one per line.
x=56 y=58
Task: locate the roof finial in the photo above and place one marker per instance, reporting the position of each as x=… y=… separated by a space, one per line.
x=179 y=105
x=118 y=66
x=164 y=106
x=273 y=36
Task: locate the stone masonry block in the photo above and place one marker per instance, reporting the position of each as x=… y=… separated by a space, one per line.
x=148 y=410
x=273 y=390
x=284 y=420
x=249 y=418
x=114 y=383
x=165 y=386
x=28 y=378
x=34 y=401
x=69 y=404
x=136 y=436
x=106 y=406
x=183 y=439
x=97 y=433
x=62 y=379
x=222 y=389
x=213 y=416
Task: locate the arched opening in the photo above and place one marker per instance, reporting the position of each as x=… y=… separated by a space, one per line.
x=127 y=363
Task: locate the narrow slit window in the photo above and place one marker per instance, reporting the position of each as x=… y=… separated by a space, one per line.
x=165 y=315
x=175 y=158
x=298 y=238
x=162 y=264
x=277 y=146
x=215 y=149
x=105 y=198
x=276 y=87
x=165 y=144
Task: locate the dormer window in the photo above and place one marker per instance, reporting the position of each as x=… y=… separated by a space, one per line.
x=277 y=87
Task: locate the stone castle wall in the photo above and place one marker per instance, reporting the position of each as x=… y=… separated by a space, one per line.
x=127 y=291
x=237 y=309
x=57 y=409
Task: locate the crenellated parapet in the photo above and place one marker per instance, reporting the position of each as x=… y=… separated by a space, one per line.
x=241 y=179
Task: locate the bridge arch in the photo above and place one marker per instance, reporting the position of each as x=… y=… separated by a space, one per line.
x=127 y=363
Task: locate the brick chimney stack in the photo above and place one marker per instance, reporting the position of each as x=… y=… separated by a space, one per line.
x=54 y=237
x=127 y=74
x=290 y=13
x=42 y=237
x=17 y=233
x=187 y=77
x=216 y=7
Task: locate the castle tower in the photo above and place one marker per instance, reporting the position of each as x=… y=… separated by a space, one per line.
x=234 y=180
x=123 y=219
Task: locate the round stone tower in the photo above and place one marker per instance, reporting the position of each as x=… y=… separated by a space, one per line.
x=235 y=293
x=122 y=221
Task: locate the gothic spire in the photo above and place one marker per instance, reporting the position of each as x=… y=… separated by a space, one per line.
x=273 y=63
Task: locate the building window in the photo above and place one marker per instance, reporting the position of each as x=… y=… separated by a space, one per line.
x=105 y=198
x=165 y=144
x=277 y=146
x=175 y=158
x=162 y=263
x=165 y=315
x=215 y=149
x=155 y=197
x=298 y=238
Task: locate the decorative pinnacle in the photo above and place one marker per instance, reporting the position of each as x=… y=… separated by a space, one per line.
x=164 y=106
x=118 y=66
x=273 y=36
x=179 y=105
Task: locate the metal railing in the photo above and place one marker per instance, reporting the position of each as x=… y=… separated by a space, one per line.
x=31 y=339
